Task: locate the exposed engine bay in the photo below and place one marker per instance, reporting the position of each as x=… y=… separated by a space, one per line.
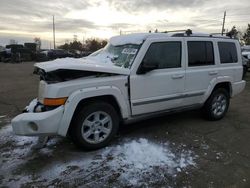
x=62 y=75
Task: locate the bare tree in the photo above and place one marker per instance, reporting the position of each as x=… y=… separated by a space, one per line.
x=38 y=42
x=233 y=33
x=246 y=36
x=12 y=41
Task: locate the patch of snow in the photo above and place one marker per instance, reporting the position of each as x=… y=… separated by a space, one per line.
x=84 y=64
x=204 y=146
x=103 y=56
x=16 y=152
x=134 y=162
x=2 y=116
x=142 y=155
x=7 y=135
x=136 y=38
x=6 y=130
x=137 y=158
x=31 y=106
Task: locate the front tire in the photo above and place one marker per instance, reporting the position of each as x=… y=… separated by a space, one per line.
x=217 y=104
x=95 y=125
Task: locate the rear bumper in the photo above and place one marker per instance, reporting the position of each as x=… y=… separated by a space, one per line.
x=238 y=87
x=35 y=124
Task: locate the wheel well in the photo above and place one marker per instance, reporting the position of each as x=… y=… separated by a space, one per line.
x=106 y=98
x=224 y=85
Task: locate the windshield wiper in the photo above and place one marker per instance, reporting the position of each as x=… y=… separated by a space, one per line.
x=114 y=58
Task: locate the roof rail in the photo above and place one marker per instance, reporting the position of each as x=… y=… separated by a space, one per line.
x=188 y=32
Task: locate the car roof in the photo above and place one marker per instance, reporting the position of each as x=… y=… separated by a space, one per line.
x=139 y=38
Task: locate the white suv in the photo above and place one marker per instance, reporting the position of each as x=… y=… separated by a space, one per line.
x=135 y=76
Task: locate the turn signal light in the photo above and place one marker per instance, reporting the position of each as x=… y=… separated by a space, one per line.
x=54 y=101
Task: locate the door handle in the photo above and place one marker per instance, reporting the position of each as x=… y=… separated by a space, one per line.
x=213 y=72
x=178 y=76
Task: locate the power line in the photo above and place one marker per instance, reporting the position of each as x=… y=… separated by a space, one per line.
x=232 y=15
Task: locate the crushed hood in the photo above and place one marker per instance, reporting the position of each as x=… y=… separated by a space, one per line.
x=82 y=64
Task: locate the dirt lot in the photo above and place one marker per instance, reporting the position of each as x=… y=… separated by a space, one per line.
x=180 y=150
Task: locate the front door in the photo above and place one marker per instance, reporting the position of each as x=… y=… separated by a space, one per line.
x=161 y=88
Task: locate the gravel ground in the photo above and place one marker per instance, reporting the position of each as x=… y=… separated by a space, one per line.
x=179 y=150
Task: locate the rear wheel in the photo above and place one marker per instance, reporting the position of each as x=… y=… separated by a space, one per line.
x=95 y=125
x=217 y=104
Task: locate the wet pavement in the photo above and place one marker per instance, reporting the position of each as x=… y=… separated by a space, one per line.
x=179 y=150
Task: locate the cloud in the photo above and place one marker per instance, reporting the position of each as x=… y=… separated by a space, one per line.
x=40 y=9
x=34 y=18
x=147 y=5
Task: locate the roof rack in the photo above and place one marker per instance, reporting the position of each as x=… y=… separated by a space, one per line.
x=189 y=33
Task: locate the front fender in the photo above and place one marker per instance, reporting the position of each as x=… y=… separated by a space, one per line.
x=81 y=94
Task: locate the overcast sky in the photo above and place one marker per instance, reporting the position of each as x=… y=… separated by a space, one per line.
x=23 y=20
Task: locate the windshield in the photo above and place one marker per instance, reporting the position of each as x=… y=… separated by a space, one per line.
x=122 y=56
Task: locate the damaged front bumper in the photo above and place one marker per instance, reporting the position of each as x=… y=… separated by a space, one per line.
x=37 y=123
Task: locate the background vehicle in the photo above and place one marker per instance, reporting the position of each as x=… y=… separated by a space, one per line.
x=246 y=55
x=17 y=53
x=245 y=63
x=58 y=53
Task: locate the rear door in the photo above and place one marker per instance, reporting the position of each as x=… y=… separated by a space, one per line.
x=201 y=68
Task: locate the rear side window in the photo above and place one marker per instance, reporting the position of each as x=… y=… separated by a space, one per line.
x=200 y=53
x=228 y=52
x=165 y=54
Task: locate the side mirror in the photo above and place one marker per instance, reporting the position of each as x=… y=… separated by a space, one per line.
x=147 y=67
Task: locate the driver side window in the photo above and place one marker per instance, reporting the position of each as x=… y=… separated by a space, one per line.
x=164 y=54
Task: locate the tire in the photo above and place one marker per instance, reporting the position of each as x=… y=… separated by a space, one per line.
x=217 y=105
x=95 y=125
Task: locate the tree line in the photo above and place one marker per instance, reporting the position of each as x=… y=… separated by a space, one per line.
x=243 y=37
x=89 y=45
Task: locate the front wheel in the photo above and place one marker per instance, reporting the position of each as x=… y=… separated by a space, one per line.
x=95 y=125
x=217 y=104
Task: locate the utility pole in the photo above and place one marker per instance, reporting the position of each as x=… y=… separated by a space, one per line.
x=223 y=24
x=54 y=34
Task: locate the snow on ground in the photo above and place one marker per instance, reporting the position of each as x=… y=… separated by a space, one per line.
x=133 y=162
x=2 y=118
x=140 y=157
